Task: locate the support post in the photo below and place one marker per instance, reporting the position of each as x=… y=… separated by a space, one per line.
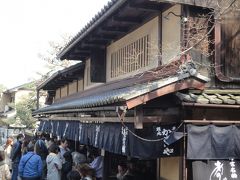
x=184 y=153
x=37 y=99
x=138 y=118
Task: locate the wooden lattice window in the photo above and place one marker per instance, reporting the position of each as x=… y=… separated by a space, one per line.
x=130 y=58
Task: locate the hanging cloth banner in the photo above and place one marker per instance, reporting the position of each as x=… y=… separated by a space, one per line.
x=118 y=139
x=213 y=142
x=216 y=170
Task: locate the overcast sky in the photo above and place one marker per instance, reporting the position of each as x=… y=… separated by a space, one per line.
x=28 y=25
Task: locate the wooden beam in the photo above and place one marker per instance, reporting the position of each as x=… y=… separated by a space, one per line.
x=146 y=7
x=145 y=119
x=185 y=84
x=201 y=3
x=115 y=29
x=225 y=106
x=130 y=20
x=86 y=51
x=219 y=122
x=93 y=45
x=101 y=38
x=101 y=35
x=100 y=42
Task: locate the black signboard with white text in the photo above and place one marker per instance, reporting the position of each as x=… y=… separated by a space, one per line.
x=216 y=170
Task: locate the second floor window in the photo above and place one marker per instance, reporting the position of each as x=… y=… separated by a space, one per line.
x=131 y=57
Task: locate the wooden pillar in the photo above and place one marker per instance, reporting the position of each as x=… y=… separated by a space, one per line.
x=38 y=99
x=184 y=154
x=138 y=118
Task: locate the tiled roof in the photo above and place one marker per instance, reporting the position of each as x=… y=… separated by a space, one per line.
x=95 y=20
x=56 y=77
x=117 y=95
x=210 y=98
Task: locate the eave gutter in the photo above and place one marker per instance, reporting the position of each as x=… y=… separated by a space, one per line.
x=114 y=7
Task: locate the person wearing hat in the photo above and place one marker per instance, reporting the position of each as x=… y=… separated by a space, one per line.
x=30 y=166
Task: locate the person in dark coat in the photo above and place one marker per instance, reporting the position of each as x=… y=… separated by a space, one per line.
x=67 y=165
x=16 y=155
x=73 y=175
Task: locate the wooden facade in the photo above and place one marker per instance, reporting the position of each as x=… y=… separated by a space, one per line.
x=131 y=45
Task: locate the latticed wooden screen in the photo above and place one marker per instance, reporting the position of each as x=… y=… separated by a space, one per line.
x=130 y=57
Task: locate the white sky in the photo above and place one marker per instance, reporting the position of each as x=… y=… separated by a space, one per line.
x=28 y=25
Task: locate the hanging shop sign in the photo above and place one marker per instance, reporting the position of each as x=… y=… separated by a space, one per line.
x=216 y=170
x=150 y=142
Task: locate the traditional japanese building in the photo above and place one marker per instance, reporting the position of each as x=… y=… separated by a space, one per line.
x=158 y=81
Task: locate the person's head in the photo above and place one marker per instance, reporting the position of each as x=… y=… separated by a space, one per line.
x=25 y=143
x=85 y=170
x=30 y=147
x=82 y=149
x=9 y=142
x=53 y=148
x=2 y=155
x=95 y=152
x=122 y=167
x=40 y=146
x=64 y=143
x=20 y=137
x=68 y=156
x=73 y=175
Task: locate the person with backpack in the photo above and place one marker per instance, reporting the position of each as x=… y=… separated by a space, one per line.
x=30 y=166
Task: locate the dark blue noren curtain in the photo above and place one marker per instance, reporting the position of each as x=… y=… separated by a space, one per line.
x=213 y=142
x=115 y=138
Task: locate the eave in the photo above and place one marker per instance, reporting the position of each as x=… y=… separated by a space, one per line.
x=130 y=96
x=114 y=21
x=63 y=77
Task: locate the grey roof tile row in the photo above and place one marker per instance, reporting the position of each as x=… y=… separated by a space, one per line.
x=116 y=95
x=205 y=98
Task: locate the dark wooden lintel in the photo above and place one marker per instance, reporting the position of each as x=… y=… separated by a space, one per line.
x=78 y=50
x=115 y=29
x=131 y=20
x=219 y=122
x=97 y=42
x=145 y=119
x=101 y=38
x=146 y=7
x=76 y=57
x=93 y=45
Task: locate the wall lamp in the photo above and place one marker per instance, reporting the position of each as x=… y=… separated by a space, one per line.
x=184 y=19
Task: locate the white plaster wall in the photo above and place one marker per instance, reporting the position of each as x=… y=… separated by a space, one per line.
x=171 y=34
x=72 y=88
x=150 y=28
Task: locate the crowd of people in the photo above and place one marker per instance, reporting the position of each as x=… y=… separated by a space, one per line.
x=48 y=159
x=45 y=158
